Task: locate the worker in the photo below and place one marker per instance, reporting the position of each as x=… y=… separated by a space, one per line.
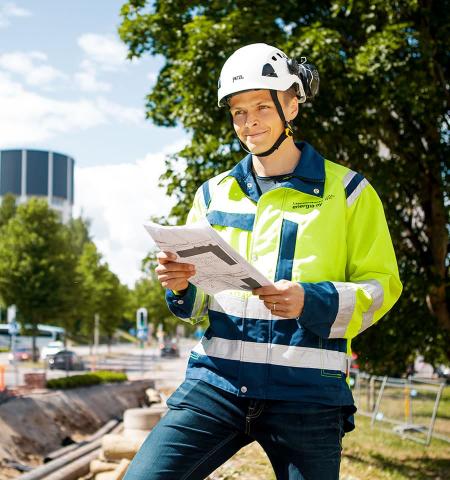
x=273 y=364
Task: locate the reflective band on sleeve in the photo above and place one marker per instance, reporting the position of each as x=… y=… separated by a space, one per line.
x=356 y=192
x=348 y=178
x=347 y=301
x=377 y=293
x=243 y=307
x=200 y=308
x=271 y=353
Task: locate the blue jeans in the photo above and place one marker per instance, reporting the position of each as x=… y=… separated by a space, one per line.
x=205 y=426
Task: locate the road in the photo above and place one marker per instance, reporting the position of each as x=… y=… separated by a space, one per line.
x=136 y=362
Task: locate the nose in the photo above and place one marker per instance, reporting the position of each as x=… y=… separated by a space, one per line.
x=251 y=119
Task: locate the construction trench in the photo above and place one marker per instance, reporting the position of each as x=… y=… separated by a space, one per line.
x=101 y=428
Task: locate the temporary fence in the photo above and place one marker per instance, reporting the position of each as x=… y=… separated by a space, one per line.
x=413 y=408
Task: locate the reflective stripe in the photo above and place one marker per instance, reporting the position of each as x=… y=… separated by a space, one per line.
x=206 y=194
x=347 y=301
x=200 y=308
x=347 y=179
x=243 y=221
x=356 y=192
x=241 y=307
x=273 y=354
x=377 y=293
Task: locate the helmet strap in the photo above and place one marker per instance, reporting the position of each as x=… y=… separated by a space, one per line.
x=286 y=133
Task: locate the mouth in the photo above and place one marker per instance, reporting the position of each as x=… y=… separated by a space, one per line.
x=255 y=136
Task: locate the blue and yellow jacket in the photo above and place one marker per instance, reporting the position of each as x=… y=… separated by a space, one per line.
x=323 y=227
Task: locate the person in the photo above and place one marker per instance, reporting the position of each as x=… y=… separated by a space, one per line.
x=272 y=365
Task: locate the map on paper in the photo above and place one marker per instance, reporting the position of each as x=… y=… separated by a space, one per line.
x=218 y=266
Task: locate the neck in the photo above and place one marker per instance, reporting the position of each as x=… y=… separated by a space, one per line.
x=281 y=161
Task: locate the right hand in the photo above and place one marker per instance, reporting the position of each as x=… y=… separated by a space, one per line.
x=172 y=274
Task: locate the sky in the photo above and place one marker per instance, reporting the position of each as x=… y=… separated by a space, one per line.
x=66 y=86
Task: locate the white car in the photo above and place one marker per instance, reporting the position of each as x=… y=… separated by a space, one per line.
x=51 y=349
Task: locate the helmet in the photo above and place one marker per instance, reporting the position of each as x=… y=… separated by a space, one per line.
x=261 y=66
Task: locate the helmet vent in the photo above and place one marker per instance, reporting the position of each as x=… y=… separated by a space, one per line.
x=268 y=71
x=274 y=58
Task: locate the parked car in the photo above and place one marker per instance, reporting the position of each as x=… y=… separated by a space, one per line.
x=169 y=348
x=51 y=348
x=65 y=360
x=22 y=354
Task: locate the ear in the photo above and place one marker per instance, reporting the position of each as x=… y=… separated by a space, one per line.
x=292 y=109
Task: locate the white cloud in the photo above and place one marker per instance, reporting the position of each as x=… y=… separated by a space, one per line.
x=119 y=199
x=86 y=79
x=106 y=51
x=27 y=117
x=9 y=10
x=31 y=66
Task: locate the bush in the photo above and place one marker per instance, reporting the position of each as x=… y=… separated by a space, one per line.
x=87 y=379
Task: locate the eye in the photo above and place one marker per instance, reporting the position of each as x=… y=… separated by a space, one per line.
x=237 y=112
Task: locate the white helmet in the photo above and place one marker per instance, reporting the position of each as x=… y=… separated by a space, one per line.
x=261 y=66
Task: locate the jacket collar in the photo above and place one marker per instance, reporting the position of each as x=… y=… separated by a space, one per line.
x=307 y=177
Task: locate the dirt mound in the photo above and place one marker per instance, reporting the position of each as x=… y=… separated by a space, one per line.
x=37 y=424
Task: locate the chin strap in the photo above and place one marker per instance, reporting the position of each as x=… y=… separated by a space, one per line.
x=286 y=133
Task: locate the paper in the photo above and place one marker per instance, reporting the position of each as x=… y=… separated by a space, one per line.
x=218 y=266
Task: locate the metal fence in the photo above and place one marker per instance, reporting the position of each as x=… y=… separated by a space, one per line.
x=413 y=408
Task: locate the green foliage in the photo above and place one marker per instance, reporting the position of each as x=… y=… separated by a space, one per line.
x=149 y=293
x=86 y=380
x=7 y=209
x=100 y=293
x=36 y=265
x=382 y=110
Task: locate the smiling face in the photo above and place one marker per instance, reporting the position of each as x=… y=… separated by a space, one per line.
x=256 y=120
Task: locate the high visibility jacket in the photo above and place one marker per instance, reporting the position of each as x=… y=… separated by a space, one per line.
x=324 y=227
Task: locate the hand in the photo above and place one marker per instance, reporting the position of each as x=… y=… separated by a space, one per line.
x=172 y=274
x=283 y=298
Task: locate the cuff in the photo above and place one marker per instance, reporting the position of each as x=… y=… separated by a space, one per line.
x=320 y=307
x=181 y=305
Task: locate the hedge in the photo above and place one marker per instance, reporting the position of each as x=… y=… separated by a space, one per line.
x=87 y=379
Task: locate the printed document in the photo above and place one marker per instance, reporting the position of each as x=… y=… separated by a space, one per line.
x=218 y=266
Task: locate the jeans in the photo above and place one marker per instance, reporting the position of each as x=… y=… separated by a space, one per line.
x=205 y=426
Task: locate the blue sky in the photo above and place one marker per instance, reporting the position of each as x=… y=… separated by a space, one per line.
x=66 y=86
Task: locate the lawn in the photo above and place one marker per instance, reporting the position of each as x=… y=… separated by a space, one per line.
x=369 y=454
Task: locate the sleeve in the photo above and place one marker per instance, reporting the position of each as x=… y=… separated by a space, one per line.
x=372 y=286
x=192 y=304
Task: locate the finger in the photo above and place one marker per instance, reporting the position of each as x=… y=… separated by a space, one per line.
x=278 y=307
x=273 y=298
x=267 y=290
x=174 y=276
x=175 y=267
x=165 y=257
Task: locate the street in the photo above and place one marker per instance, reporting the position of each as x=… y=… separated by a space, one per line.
x=136 y=362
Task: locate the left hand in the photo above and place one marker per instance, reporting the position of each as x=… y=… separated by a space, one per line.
x=283 y=298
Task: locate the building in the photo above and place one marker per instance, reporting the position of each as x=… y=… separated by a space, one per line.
x=38 y=173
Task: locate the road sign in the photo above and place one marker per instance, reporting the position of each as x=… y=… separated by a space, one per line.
x=13 y=328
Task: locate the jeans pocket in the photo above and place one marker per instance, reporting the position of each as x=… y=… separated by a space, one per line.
x=178 y=397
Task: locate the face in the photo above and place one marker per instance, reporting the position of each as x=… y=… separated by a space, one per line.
x=256 y=120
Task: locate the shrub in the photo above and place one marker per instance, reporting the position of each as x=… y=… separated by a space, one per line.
x=87 y=379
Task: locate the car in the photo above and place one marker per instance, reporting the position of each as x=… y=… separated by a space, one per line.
x=169 y=348
x=51 y=348
x=65 y=360
x=22 y=354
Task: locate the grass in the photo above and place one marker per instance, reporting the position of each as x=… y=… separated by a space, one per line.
x=368 y=454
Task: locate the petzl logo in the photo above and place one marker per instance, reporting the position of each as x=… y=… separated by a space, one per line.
x=238 y=77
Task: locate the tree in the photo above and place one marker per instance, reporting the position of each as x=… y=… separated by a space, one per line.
x=36 y=264
x=7 y=209
x=383 y=110
x=100 y=293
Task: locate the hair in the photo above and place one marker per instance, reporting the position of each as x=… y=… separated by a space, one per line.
x=290 y=93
